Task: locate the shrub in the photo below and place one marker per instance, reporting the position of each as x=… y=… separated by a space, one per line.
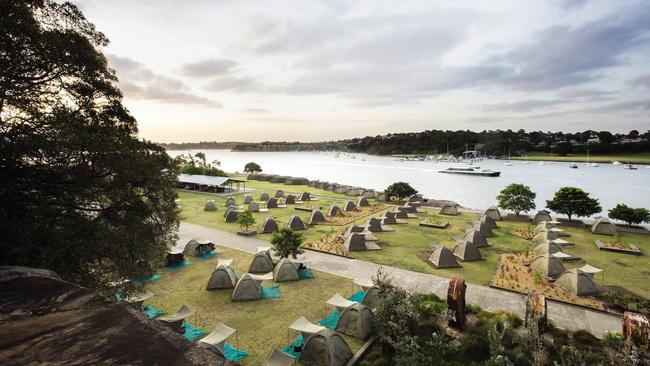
x=399 y=190
x=517 y=197
x=252 y=167
x=573 y=201
x=632 y=216
x=287 y=243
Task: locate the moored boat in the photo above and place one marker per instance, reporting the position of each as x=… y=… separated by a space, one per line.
x=471 y=171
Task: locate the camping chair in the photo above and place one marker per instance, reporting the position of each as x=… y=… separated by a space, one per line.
x=305 y=327
x=224 y=262
x=175 y=321
x=340 y=302
x=138 y=300
x=279 y=358
x=216 y=340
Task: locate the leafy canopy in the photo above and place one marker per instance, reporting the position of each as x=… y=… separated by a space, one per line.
x=632 y=216
x=245 y=219
x=252 y=167
x=287 y=243
x=81 y=194
x=573 y=201
x=399 y=190
x=517 y=197
x=198 y=164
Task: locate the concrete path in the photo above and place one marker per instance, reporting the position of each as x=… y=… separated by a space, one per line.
x=564 y=316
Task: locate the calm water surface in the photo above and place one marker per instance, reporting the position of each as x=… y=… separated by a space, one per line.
x=611 y=184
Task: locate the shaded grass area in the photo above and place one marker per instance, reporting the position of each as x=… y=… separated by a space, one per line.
x=639 y=158
x=261 y=325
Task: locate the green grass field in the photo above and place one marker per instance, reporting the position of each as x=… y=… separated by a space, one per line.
x=640 y=158
x=261 y=325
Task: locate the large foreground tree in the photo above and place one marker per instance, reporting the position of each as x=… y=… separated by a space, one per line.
x=80 y=193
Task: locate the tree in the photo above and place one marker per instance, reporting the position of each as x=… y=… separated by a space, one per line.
x=81 y=194
x=632 y=216
x=517 y=197
x=287 y=243
x=252 y=167
x=573 y=201
x=399 y=190
x=245 y=219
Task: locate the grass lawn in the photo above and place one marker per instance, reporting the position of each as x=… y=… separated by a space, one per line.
x=261 y=325
x=640 y=158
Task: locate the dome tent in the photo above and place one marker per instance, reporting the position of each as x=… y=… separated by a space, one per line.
x=467 y=251
x=489 y=221
x=305 y=196
x=209 y=206
x=363 y=202
x=355 y=242
x=442 y=257
x=231 y=216
x=374 y=225
x=248 y=199
x=285 y=270
x=493 y=212
x=603 y=226
x=272 y=203
x=547 y=248
x=231 y=202
x=483 y=229
x=325 y=348
x=548 y=266
x=198 y=247
x=296 y=223
x=262 y=262
x=279 y=193
x=247 y=289
x=545 y=235
x=451 y=210
x=577 y=282
x=316 y=217
x=356 y=321
x=290 y=199
x=334 y=211
x=349 y=206
x=542 y=215
x=254 y=207
x=269 y=226
x=371 y=299
x=475 y=237
x=222 y=277
x=264 y=196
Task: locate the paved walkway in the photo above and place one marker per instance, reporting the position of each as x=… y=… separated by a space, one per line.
x=564 y=316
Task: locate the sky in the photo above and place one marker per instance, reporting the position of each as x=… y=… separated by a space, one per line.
x=247 y=70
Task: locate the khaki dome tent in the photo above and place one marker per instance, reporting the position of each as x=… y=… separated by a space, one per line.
x=475 y=237
x=175 y=321
x=222 y=277
x=483 y=229
x=272 y=203
x=334 y=211
x=264 y=196
x=416 y=198
x=577 y=282
x=545 y=225
x=542 y=215
x=490 y=222
x=279 y=193
x=547 y=248
x=269 y=226
x=451 y=210
x=408 y=209
x=296 y=223
x=548 y=266
x=545 y=235
x=374 y=225
x=290 y=199
x=248 y=199
x=228 y=210
x=603 y=226
x=388 y=217
x=231 y=216
x=254 y=207
x=174 y=257
x=467 y=251
x=305 y=196
x=247 y=289
x=372 y=297
x=286 y=270
x=441 y=257
x=262 y=262
x=210 y=206
x=317 y=217
x=363 y=202
x=230 y=202
x=401 y=214
x=325 y=348
x=356 y=321
x=493 y=212
x=349 y=206
x=355 y=242
x=198 y=247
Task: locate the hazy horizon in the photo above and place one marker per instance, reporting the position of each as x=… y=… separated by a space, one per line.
x=252 y=71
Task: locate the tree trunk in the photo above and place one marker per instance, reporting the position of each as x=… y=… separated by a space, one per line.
x=456 y=301
x=636 y=332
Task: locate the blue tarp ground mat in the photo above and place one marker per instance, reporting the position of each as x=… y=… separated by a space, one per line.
x=290 y=350
x=331 y=320
x=209 y=255
x=191 y=332
x=152 y=278
x=233 y=354
x=152 y=312
x=271 y=292
x=179 y=266
x=358 y=296
x=306 y=274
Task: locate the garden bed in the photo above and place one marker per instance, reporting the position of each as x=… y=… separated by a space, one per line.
x=615 y=246
x=332 y=243
x=524 y=234
x=435 y=223
x=352 y=216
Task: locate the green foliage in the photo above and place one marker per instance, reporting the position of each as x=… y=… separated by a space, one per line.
x=573 y=201
x=252 y=167
x=612 y=340
x=517 y=197
x=627 y=302
x=287 y=243
x=632 y=216
x=245 y=219
x=399 y=190
x=81 y=194
x=198 y=164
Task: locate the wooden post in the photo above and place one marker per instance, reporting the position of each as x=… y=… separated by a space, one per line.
x=456 y=301
x=636 y=332
x=536 y=310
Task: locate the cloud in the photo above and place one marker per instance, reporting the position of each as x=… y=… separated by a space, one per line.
x=525 y=105
x=138 y=82
x=256 y=110
x=570 y=4
x=641 y=80
x=231 y=83
x=208 y=68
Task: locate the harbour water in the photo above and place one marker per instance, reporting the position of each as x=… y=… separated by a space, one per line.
x=611 y=184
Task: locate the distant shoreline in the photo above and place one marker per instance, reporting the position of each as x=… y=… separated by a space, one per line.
x=641 y=159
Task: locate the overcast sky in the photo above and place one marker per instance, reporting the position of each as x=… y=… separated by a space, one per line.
x=239 y=70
